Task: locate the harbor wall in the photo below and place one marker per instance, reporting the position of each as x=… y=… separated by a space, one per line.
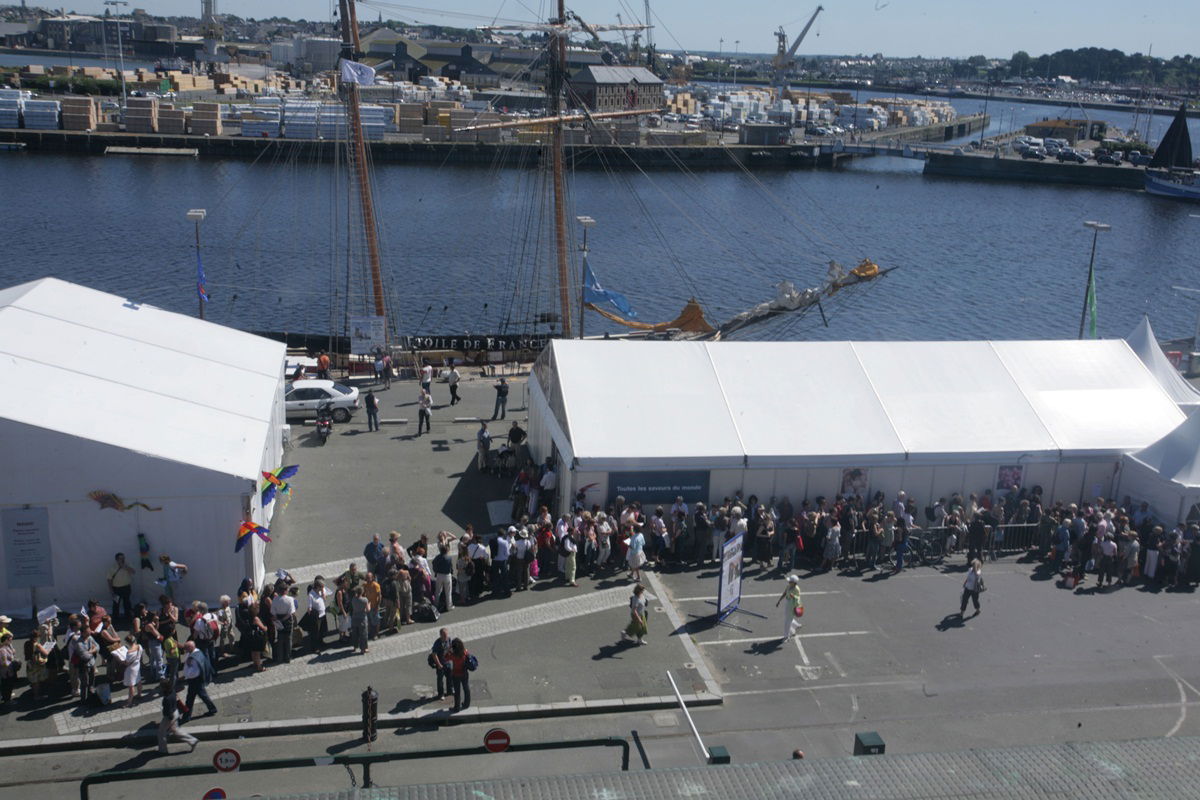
x=1018 y=169
x=709 y=157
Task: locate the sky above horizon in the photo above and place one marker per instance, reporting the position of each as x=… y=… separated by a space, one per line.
x=955 y=28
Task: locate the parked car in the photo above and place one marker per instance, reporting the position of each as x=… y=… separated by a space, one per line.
x=301 y=399
x=1071 y=155
x=1138 y=158
x=1108 y=158
x=1034 y=152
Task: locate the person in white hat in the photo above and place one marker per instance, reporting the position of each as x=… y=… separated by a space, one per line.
x=794 y=608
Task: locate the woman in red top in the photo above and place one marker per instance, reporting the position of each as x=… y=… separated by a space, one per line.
x=460 y=680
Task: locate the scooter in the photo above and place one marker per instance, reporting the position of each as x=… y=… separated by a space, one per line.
x=324 y=422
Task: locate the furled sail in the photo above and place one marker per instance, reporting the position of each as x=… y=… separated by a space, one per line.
x=691 y=320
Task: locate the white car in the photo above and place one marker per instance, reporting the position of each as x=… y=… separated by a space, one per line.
x=302 y=398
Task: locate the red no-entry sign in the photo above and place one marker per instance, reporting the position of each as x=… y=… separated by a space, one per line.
x=496 y=740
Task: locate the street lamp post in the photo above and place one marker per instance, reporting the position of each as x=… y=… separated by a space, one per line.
x=586 y=222
x=1097 y=228
x=197 y=216
x=737 y=43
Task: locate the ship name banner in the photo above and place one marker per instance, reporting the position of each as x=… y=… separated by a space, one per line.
x=465 y=342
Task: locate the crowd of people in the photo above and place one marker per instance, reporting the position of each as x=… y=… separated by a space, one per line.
x=396 y=585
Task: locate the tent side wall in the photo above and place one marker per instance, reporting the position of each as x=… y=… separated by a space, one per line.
x=200 y=514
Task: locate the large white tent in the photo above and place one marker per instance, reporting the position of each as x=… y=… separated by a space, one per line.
x=805 y=419
x=1166 y=475
x=156 y=408
x=1144 y=343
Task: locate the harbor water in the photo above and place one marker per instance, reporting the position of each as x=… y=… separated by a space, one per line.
x=975 y=259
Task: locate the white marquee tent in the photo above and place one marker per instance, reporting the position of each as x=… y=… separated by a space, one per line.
x=1144 y=343
x=1167 y=474
x=106 y=394
x=805 y=419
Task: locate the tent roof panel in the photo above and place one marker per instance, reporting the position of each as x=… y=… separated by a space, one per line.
x=109 y=363
x=636 y=400
x=952 y=397
x=811 y=403
x=1093 y=396
x=810 y=398
x=1144 y=344
x=1176 y=456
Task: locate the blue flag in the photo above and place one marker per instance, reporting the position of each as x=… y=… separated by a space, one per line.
x=597 y=295
x=201 y=290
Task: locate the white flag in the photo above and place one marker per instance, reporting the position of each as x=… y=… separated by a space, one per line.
x=353 y=72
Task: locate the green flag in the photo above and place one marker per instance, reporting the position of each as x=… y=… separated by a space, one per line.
x=1092 y=303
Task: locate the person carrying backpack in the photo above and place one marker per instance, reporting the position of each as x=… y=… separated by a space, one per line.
x=462 y=664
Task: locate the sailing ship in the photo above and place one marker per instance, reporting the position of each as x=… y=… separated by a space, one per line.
x=574 y=289
x=1172 y=173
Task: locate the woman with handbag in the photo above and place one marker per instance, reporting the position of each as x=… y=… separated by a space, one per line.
x=254 y=632
x=638 y=625
x=9 y=667
x=972 y=586
x=794 y=609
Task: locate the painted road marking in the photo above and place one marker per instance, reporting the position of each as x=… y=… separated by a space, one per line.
x=836 y=666
x=398 y=646
x=709 y=598
x=869 y=684
x=689 y=644
x=760 y=639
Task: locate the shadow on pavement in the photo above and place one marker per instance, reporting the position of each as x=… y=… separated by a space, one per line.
x=951 y=622
x=764 y=648
x=611 y=650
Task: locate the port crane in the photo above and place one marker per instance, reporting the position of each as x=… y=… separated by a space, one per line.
x=785 y=55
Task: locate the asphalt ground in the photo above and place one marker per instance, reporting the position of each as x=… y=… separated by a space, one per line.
x=360 y=483
x=878 y=651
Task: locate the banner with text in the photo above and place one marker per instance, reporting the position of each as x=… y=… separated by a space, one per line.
x=659 y=486
x=27 y=562
x=729 y=589
x=468 y=342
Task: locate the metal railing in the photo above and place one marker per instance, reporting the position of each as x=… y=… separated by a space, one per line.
x=365 y=760
x=1013 y=538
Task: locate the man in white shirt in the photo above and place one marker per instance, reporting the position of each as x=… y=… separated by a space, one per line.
x=197 y=672
x=283 y=610
x=453 y=379
x=547 y=486
x=424 y=405
x=504 y=546
x=427 y=376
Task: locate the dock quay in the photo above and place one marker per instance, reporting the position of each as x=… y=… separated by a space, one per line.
x=723 y=155
x=987 y=166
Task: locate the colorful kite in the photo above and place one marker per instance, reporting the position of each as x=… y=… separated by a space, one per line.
x=275 y=483
x=110 y=500
x=144 y=552
x=248 y=530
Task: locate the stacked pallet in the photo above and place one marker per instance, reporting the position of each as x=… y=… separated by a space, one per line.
x=171 y=119
x=141 y=115
x=41 y=115
x=206 y=119
x=11 y=101
x=409 y=117
x=261 y=123
x=433 y=133
x=80 y=114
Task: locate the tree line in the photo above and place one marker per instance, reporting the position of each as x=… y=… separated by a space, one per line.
x=1097 y=64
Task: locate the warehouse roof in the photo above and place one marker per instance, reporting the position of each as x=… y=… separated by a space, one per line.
x=621 y=75
x=786 y=404
x=112 y=370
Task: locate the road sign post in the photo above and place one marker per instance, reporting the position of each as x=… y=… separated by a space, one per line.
x=227 y=760
x=496 y=740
